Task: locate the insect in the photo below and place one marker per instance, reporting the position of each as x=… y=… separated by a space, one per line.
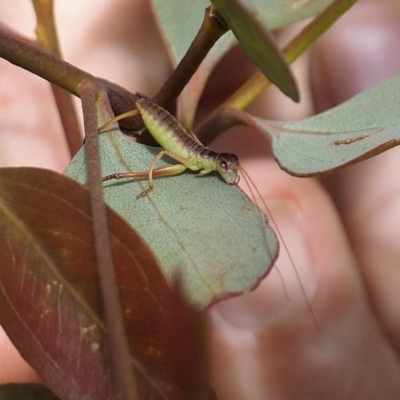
x=184 y=147
x=179 y=144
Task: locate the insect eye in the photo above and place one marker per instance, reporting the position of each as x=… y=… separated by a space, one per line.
x=223 y=164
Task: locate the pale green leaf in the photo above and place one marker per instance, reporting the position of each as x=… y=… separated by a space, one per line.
x=180 y=21
x=258 y=43
x=280 y=13
x=365 y=125
x=201 y=229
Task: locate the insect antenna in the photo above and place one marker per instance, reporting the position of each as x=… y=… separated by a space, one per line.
x=253 y=188
x=255 y=193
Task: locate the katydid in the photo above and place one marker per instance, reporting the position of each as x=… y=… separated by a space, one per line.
x=180 y=145
x=184 y=147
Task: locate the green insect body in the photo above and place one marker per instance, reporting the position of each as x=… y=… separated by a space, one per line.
x=184 y=146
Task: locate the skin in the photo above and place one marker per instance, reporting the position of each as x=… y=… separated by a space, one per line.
x=342 y=232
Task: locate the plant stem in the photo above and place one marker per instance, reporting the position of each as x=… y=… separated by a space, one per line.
x=212 y=28
x=42 y=63
x=26 y=55
x=118 y=349
x=46 y=33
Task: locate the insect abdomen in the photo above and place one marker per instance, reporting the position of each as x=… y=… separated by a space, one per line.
x=165 y=129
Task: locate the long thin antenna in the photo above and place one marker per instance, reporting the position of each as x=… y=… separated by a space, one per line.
x=252 y=189
x=247 y=180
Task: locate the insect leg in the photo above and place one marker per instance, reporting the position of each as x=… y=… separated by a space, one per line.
x=157 y=158
x=118 y=118
x=165 y=171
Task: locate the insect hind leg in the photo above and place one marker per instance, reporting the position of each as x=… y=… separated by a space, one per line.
x=168 y=170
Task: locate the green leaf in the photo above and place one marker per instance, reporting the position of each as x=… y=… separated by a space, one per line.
x=180 y=20
x=280 y=13
x=178 y=36
x=26 y=391
x=258 y=43
x=207 y=232
x=362 y=127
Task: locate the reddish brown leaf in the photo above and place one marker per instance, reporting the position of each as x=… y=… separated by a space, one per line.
x=49 y=296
